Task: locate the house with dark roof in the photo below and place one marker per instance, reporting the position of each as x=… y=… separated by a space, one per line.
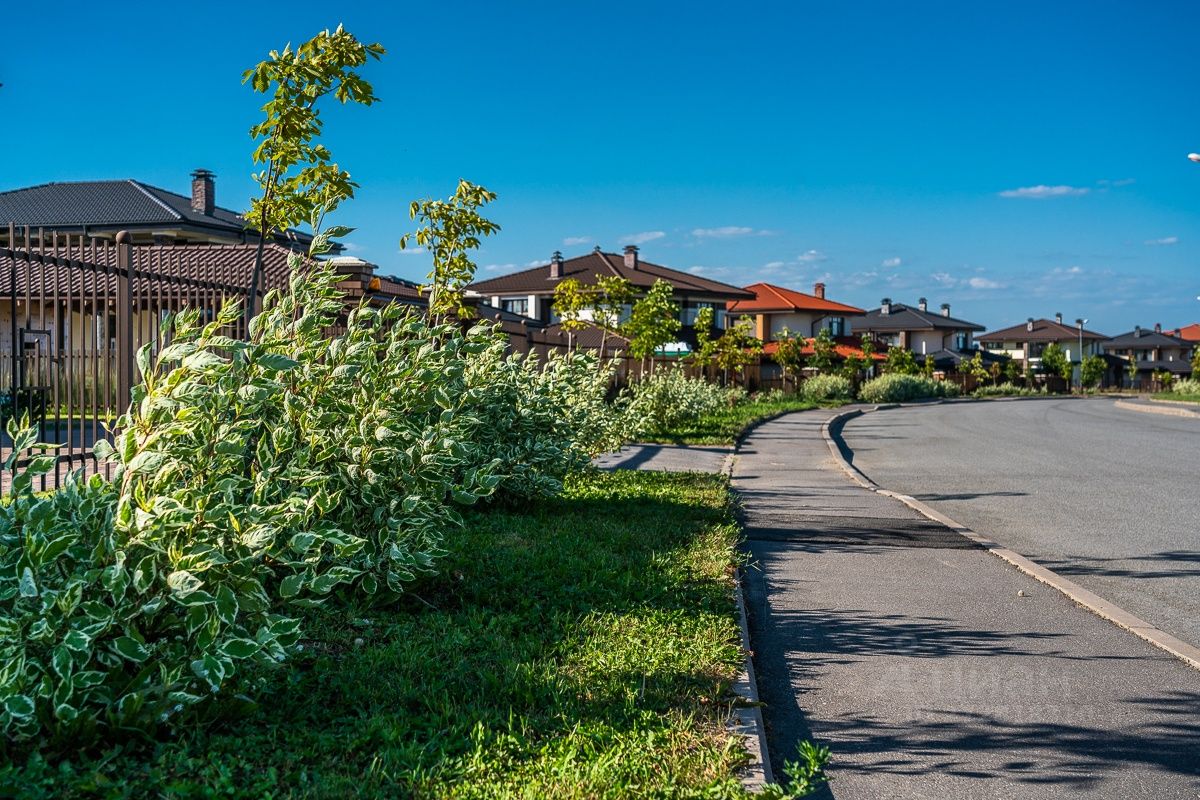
x=1152 y=351
x=530 y=292
x=926 y=334
x=100 y=209
x=1026 y=342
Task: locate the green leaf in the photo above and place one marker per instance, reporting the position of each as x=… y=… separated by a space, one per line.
x=227 y=605
x=239 y=648
x=28 y=587
x=19 y=706
x=291 y=585
x=276 y=361
x=131 y=648
x=183 y=583
x=147 y=461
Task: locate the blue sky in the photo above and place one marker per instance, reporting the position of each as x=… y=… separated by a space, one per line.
x=1013 y=159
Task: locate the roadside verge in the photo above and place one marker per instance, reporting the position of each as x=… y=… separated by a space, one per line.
x=831 y=431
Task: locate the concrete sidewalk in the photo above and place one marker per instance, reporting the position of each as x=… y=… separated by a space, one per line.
x=666 y=458
x=932 y=668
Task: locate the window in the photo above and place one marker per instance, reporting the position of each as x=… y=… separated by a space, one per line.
x=961 y=340
x=515 y=305
x=837 y=326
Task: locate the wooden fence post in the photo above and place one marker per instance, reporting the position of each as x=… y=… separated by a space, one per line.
x=125 y=321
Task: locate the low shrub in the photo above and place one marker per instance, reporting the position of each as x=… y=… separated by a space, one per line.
x=1186 y=386
x=824 y=388
x=1007 y=390
x=666 y=398
x=893 y=387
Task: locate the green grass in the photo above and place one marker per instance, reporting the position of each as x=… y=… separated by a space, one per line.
x=581 y=649
x=1185 y=398
x=726 y=425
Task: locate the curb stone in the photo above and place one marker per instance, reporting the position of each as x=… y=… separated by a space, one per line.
x=747 y=719
x=1164 y=407
x=1185 y=652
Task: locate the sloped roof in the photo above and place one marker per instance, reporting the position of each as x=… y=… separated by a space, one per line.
x=585 y=268
x=1044 y=330
x=843 y=347
x=1189 y=333
x=771 y=298
x=113 y=204
x=1143 y=337
x=907 y=318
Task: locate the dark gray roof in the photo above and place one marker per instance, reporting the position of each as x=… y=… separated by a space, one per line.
x=950 y=359
x=113 y=204
x=1177 y=367
x=1145 y=338
x=1044 y=330
x=906 y=318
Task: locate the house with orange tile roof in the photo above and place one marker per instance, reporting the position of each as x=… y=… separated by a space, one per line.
x=1189 y=333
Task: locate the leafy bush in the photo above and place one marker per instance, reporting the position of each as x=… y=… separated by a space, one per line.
x=668 y=397
x=895 y=387
x=1186 y=386
x=1007 y=390
x=822 y=388
x=258 y=477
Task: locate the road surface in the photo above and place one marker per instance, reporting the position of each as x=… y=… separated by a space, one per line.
x=1108 y=497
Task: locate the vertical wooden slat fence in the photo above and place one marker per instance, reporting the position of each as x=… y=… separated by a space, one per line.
x=79 y=308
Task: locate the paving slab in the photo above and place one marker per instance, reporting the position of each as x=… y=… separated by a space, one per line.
x=931 y=667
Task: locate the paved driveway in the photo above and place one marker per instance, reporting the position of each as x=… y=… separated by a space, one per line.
x=1107 y=496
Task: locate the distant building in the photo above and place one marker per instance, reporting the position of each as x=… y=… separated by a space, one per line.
x=1152 y=351
x=1026 y=342
x=945 y=339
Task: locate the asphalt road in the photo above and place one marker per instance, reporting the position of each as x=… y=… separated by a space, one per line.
x=1106 y=496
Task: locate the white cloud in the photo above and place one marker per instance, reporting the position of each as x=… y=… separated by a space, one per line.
x=570 y=241
x=774 y=265
x=943 y=278
x=510 y=267
x=891 y=263
x=811 y=256
x=642 y=238
x=1041 y=191
x=984 y=283
x=727 y=232
x=1164 y=240
x=413 y=251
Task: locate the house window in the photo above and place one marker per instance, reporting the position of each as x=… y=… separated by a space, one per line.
x=837 y=326
x=515 y=305
x=960 y=341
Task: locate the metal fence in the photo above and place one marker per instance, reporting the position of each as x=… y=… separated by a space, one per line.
x=74 y=310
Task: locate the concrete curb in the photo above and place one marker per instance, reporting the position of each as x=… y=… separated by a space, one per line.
x=748 y=718
x=1164 y=407
x=1187 y=653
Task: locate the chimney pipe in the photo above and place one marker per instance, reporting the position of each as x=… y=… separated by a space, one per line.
x=923 y=304
x=1029 y=324
x=556 y=265
x=204 y=193
x=631 y=256
x=1158 y=327
x=885 y=305
x=819 y=290
x=1137 y=331
x=945 y=309
x=1058 y=318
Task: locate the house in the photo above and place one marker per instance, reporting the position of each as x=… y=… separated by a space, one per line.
x=530 y=292
x=775 y=309
x=1152 y=351
x=1026 y=343
x=926 y=334
x=150 y=215
x=1189 y=333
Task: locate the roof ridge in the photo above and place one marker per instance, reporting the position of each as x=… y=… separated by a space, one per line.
x=775 y=291
x=604 y=257
x=137 y=185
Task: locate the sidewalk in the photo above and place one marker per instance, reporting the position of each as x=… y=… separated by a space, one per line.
x=908 y=650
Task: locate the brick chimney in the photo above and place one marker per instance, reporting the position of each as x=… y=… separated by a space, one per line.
x=922 y=304
x=631 y=256
x=819 y=290
x=204 y=193
x=945 y=309
x=885 y=305
x=1029 y=324
x=556 y=262
x=1058 y=318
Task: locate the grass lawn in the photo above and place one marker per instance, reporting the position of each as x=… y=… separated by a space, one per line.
x=1186 y=398
x=581 y=649
x=725 y=426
